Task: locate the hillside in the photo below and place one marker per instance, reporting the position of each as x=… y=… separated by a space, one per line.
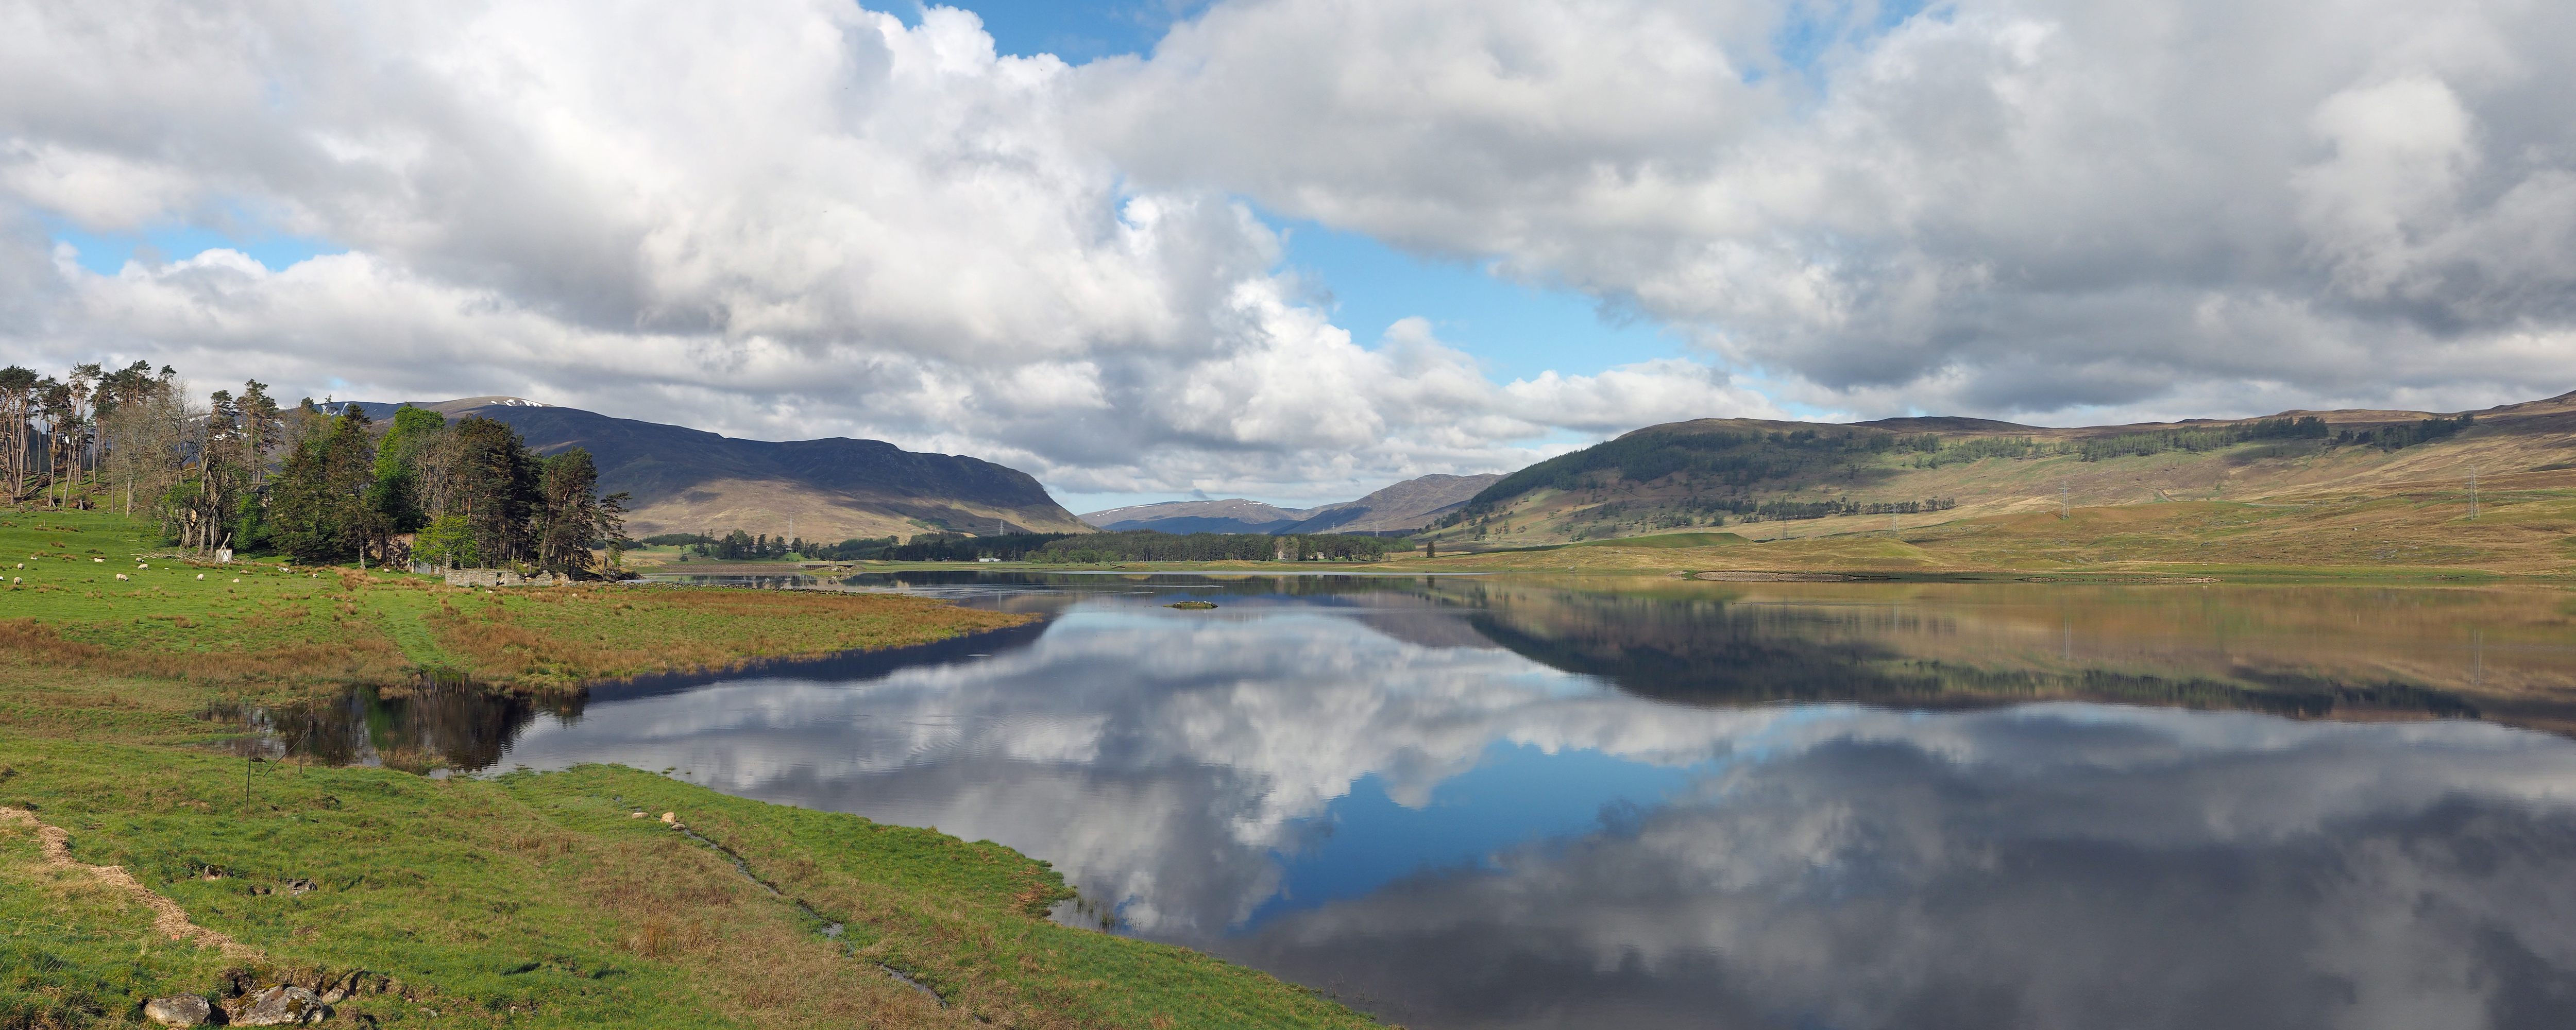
x=1231 y=515
x=1772 y=480
x=687 y=480
x=1411 y=504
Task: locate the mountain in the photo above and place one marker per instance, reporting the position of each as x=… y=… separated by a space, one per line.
x=1810 y=478
x=690 y=481
x=1411 y=504
x=1408 y=505
x=1232 y=515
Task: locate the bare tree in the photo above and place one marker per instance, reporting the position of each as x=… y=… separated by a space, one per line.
x=17 y=411
x=148 y=432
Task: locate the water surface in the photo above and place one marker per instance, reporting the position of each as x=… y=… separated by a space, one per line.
x=1472 y=802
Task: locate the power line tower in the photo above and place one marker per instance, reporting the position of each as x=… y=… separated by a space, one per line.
x=2062 y=511
x=2473 y=493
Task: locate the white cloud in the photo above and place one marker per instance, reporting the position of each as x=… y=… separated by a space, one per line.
x=1995 y=206
x=789 y=220
x=803 y=218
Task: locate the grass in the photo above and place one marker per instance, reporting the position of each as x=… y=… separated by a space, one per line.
x=264 y=623
x=2524 y=534
x=524 y=899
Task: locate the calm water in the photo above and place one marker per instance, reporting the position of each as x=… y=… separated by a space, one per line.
x=1467 y=803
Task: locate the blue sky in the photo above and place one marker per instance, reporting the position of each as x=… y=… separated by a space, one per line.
x=1514 y=331
x=105 y=253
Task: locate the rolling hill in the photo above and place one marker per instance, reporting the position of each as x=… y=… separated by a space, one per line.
x=1408 y=505
x=1772 y=479
x=687 y=481
x=1231 y=515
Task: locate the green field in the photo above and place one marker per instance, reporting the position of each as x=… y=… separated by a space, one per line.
x=521 y=900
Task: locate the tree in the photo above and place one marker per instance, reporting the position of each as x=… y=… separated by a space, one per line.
x=199 y=512
x=570 y=513
x=490 y=481
x=17 y=410
x=319 y=500
x=398 y=494
x=144 y=425
x=263 y=427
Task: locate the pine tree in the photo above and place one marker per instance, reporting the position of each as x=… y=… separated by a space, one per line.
x=319 y=501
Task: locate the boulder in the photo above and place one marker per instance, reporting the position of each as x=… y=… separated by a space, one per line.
x=280 y=1006
x=184 y=1010
x=346 y=987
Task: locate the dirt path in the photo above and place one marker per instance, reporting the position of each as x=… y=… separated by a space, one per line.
x=167 y=916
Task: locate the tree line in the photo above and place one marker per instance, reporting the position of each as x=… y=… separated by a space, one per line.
x=2307 y=427
x=1783 y=510
x=240 y=472
x=1151 y=545
x=1047 y=548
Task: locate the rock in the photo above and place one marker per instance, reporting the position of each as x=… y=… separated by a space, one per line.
x=344 y=988
x=300 y=886
x=670 y=817
x=280 y=1006
x=184 y=1010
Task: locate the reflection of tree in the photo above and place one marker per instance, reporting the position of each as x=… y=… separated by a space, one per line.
x=1715 y=653
x=435 y=721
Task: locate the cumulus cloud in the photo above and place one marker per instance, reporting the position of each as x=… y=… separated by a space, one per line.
x=805 y=218
x=1993 y=206
x=788 y=220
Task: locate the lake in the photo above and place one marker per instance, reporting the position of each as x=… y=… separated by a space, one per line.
x=1509 y=802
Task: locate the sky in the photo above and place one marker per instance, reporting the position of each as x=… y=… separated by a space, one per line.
x=1296 y=250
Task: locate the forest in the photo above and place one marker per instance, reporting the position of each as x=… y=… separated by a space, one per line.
x=240 y=473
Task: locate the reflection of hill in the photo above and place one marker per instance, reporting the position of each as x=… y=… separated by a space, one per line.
x=458 y=724
x=2293 y=653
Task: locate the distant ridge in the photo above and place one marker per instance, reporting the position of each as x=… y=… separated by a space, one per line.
x=1230 y=515
x=1411 y=504
x=690 y=481
x=1408 y=505
x=1780 y=478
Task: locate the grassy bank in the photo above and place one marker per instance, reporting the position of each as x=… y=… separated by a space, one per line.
x=266 y=624
x=522 y=900
x=2518 y=536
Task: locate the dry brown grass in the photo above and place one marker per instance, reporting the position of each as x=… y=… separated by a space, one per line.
x=580 y=634
x=357 y=658
x=688 y=907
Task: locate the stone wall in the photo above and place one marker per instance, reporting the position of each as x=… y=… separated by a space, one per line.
x=490 y=577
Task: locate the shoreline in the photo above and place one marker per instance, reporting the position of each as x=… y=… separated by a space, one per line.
x=534 y=898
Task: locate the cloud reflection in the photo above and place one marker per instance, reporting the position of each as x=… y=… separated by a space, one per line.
x=1820 y=865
